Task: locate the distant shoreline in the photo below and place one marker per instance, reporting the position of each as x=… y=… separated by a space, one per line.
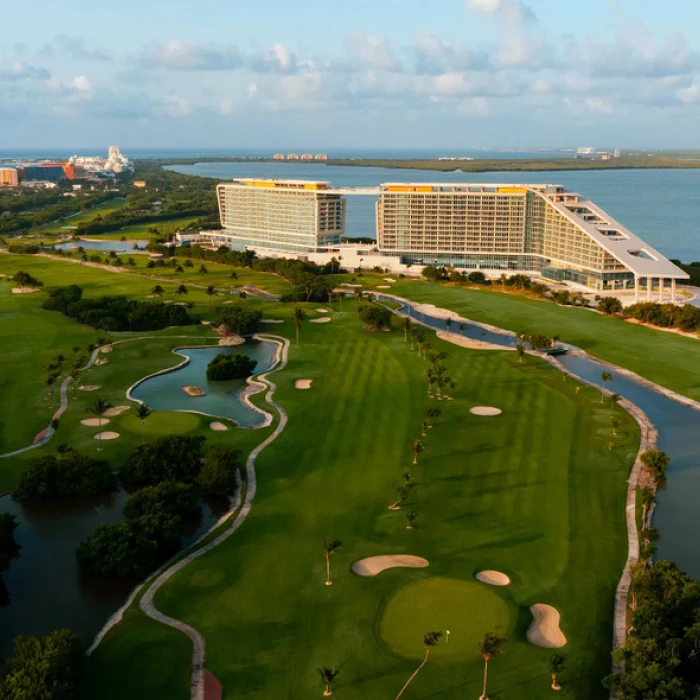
x=657 y=162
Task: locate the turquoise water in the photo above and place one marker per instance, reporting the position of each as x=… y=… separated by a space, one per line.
x=164 y=391
x=661 y=206
x=117 y=246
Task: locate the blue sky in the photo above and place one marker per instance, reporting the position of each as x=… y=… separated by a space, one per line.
x=351 y=74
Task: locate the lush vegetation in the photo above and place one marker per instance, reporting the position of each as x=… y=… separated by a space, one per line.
x=219 y=472
x=70 y=475
x=686 y=317
x=44 y=668
x=375 y=318
x=225 y=367
x=238 y=318
x=167 y=499
x=116 y=313
x=170 y=458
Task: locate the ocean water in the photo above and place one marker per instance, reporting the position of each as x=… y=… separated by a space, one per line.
x=660 y=206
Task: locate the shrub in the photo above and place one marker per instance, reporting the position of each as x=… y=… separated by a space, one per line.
x=73 y=476
x=170 y=499
x=170 y=458
x=218 y=473
x=656 y=462
x=609 y=305
x=238 y=318
x=224 y=367
x=477 y=277
x=434 y=273
x=375 y=318
x=44 y=668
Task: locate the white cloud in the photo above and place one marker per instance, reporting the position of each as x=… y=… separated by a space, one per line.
x=19 y=70
x=542 y=86
x=475 y=107
x=689 y=94
x=80 y=82
x=183 y=56
x=226 y=107
x=252 y=89
x=598 y=104
x=175 y=106
x=306 y=86
x=451 y=84
x=486 y=6
x=373 y=51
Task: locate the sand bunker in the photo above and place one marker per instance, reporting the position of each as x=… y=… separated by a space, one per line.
x=302 y=383
x=371 y=566
x=466 y=342
x=325 y=319
x=194 y=391
x=493 y=578
x=218 y=426
x=106 y=349
x=94 y=422
x=321 y=311
x=26 y=290
x=544 y=630
x=101 y=361
x=347 y=284
x=383 y=286
x=89 y=387
x=116 y=410
x=389 y=279
x=485 y=411
x=271 y=320
x=107 y=435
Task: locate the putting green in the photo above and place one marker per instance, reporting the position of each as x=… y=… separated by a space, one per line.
x=466 y=609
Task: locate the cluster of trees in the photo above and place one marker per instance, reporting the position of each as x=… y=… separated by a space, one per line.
x=657 y=463
x=115 y=313
x=375 y=318
x=44 y=668
x=686 y=317
x=23 y=248
x=70 y=475
x=662 y=653
x=224 y=367
x=24 y=279
x=169 y=473
x=238 y=318
x=9 y=549
x=223 y=255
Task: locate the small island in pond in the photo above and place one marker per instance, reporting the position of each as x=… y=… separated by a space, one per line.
x=194 y=390
x=226 y=367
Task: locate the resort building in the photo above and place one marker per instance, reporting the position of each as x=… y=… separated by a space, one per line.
x=540 y=230
x=284 y=216
x=9 y=177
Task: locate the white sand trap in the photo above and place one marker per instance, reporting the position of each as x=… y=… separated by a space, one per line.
x=544 y=630
x=106 y=349
x=107 y=435
x=371 y=566
x=383 y=286
x=325 y=319
x=194 y=390
x=347 y=284
x=218 y=426
x=485 y=411
x=389 y=279
x=302 y=383
x=94 y=422
x=184 y=303
x=271 y=320
x=493 y=578
x=89 y=387
x=116 y=410
x=101 y=361
x=321 y=311
x=26 y=290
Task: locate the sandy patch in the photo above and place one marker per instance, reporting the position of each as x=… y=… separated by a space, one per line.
x=347 y=284
x=231 y=340
x=371 y=566
x=230 y=301
x=26 y=290
x=493 y=578
x=106 y=435
x=218 y=426
x=271 y=320
x=383 y=286
x=485 y=411
x=184 y=303
x=389 y=279
x=116 y=410
x=321 y=311
x=89 y=387
x=325 y=319
x=544 y=630
x=106 y=349
x=101 y=361
x=194 y=391
x=470 y=343
x=302 y=383
x=150 y=296
x=94 y=422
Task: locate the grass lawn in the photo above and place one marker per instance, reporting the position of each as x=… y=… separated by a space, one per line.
x=535 y=493
x=140 y=231
x=84 y=216
x=665 y=358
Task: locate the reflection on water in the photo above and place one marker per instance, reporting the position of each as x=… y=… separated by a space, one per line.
x=164 y=391
x=116 y=246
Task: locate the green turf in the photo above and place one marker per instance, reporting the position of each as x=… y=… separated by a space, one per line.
x=85 y=216
x=535 y=493
x=440 y=604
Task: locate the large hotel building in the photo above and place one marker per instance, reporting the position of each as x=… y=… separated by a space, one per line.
x=543 y=229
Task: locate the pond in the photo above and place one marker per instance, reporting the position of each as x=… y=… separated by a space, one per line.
x=164 y=392
x=117 y=246
x=45 y=587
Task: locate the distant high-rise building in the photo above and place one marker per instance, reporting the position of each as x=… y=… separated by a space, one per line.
x=307 y=156
x=48 y=172
x=320 y=156
x=292 y=156
x=278 y=156
x=9 y=177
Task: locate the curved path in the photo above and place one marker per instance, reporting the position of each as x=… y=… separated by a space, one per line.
x=147 y=601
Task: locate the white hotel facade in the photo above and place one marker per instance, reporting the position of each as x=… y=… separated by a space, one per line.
x=543 y=230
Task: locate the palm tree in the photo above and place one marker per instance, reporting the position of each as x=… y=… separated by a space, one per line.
x=203 y=270
x=211 y=292
x=417 y=448
x=157 y=291
x=520 y=349
x=63 y=450
x=298 y=316
x=556 y=663
x=490 y=646
x=423 y=427
x=406 y=328
x=648 y=497
x=605 y=377
x=181 y=290
x=614 y=398
x=401 y=496
x=188 y=265
x=426 y=347
x=142 y=412
x=410 y=519
x=430 y=639
x=616 y=423
x=329 y=546
x=98 y=409
x=328 y=675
